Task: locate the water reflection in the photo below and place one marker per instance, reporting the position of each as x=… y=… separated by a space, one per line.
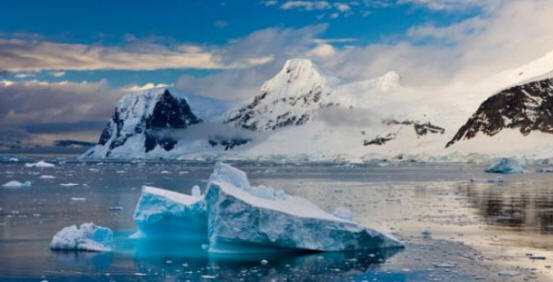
x=517 y=206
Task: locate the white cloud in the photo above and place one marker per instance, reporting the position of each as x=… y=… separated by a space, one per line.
x=22 y=55
x=149 y=85
x=451 y=5
x=322 y=50
x=306 y=5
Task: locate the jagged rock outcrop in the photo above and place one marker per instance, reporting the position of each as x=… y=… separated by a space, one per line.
x=288 y=99
x=527 y=107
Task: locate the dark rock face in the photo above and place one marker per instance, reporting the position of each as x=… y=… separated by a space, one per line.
x=421 y=129
x=247 y=116
x=527 y=107
x=227 y=143
x=169 y=112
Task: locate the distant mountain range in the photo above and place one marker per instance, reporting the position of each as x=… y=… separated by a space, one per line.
x=302 y=114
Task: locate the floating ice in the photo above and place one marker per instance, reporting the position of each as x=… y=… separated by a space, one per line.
x=40 y=164
x=162 y=212
x=196 y=192
x=236 y=217
x=47 y=176
x=505 y=165
x=17 y=184
x=69 y=184
x=87 y=237
x=225 y=173
x=343 y=213
x=247 y=220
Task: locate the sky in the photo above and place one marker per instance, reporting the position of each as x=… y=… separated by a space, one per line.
x=64 y=64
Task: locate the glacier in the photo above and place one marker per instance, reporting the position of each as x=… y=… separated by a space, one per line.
x=236 y=217
x=164 y=213
x=88 y=237
x=505 y=166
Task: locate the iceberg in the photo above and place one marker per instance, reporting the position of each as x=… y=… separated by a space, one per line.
x=40 y=164
x=17 y=184
x=87 y=237
x=166 y=213
x=242 y=219
x=505 y=166
x=236 y=217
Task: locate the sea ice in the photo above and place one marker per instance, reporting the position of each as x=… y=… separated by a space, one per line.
x=196 y=192
x=506 y=166
x=87 y=237
x=17 y=184
x=243 y=219
x=162 y=212
x=40 y=164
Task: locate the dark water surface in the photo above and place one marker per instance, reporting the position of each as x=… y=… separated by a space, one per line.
x=454 y=230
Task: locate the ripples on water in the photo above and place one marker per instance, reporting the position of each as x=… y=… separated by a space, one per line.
x=507 y=220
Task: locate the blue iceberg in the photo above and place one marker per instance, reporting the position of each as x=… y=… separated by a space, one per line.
x=505 y=166
x=246 y=218
x=87 y=237
x=236 y=217
x=166 y=213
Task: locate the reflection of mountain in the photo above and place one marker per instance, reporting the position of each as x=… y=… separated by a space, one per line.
x=523 y=208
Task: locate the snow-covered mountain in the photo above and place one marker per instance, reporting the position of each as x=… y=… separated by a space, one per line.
x=289 y=98
x=527 y=107
x=141 y=121
x=303 y=114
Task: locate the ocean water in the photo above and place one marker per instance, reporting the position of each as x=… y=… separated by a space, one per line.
x=454 y=229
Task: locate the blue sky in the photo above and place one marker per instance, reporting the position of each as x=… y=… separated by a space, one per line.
x=207 y=23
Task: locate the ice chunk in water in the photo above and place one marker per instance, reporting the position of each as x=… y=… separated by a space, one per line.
x=166 y=213
x=17 y=184
x=40 y=164
x=343 y=213
x=505 y=165
x=246 y=220
x=87 y=237
x=228 y=174
x=196 y=192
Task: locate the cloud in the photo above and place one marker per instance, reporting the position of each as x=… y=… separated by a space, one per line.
x=149 y=85
x=27 y=55
x=275 y=44
x=306 y=5
x=322 y=50
x=220 y=24
x=39 y=101
x=452 y=5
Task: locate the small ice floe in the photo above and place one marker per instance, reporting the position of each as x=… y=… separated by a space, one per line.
x=13 y=160
x=115 y=208
x=343 y=213
x=183 y=172
x=505 y=166
x=17 y=184
x=545 y=170
x=78 y=199
x=120 y=171
x=46 y=176
x=196 y=192
x=69 y=184
x=264 y=262
x=498 y=179
x=92 y=169
x=40 y=164
x=87 y=237
x=165 y=172
x=508 y=273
